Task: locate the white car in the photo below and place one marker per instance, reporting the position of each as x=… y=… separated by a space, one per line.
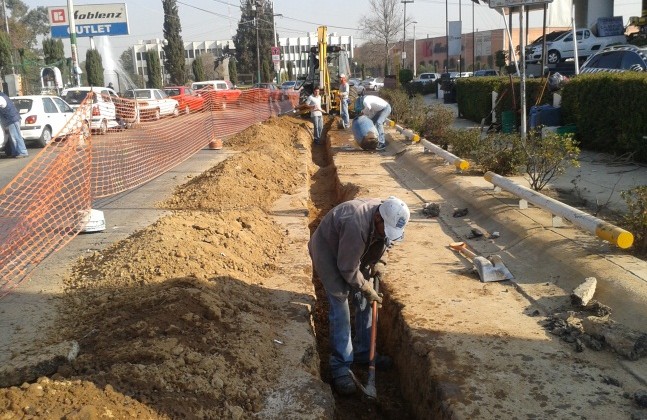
x=104 y=114
x=373 y=83
x=153 y=103
x=43 y=117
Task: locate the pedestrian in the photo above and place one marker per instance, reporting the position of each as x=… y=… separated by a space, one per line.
x=378 y=110
x=316 y=113
x=344 y=89
x=110 y=86
x=10 y=119
x=345 y=250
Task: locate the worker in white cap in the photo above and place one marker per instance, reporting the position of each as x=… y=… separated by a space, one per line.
x=346 y=251
x=344 y=89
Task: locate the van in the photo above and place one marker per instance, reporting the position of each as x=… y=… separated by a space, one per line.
x=104 y=115
x=428 y=77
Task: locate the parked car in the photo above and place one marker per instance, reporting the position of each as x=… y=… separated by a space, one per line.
x=481 y=73
x=357 y=84
x=373 y=83
x=425 y=78
x=617 y=58
x=533 y=54
x=43 y=117
x=561 y=47
x=287 y=85
x=220 y=93
x=153 y=103
x=104 y=115
x=271 y=90
x=187 y=98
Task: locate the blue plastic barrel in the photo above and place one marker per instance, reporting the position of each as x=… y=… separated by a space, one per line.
x=364 y=132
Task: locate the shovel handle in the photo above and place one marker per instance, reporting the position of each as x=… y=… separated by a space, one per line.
x=462 y=248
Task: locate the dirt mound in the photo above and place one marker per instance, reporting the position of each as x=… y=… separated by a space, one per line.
x=267 y=168
x=177 y=316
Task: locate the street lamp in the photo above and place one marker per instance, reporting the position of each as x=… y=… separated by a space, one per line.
x=414 y=48
x=255 y=7
x=404 y=35
x=276 y=44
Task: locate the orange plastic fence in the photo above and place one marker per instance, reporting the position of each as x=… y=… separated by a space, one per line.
x=96 y=155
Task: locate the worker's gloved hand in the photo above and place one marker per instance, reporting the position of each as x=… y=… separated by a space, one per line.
x=378 y=269
x=370 y=294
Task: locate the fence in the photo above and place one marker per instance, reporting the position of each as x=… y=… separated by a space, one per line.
x=44 y=206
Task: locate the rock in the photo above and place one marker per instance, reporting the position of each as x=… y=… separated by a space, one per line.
x=641 y=398
x=583 y=293
x=475 y=233
x=624 y=341
x=29 y=367
x=460 y=212
x=431 y=209
x=236 y=412
x=87 y=412
x=598 y=309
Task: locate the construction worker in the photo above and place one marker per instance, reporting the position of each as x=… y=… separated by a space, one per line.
x=316 y=113
x=345 y=250
x=378 y=110
x=10 y=119
x=344 y=89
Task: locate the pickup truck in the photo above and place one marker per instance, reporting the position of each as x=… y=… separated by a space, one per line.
x=219 y=92
x=561 y=47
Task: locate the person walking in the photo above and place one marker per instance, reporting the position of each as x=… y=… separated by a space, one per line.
x=346 y=249
x=316 y=113
x=344 y=90
x=378 y=110
x=10 y=119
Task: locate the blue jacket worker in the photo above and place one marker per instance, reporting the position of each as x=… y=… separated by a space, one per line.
x=10 y=119
x=345 y=248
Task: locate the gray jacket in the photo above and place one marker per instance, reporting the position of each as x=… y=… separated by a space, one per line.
x=340 y=246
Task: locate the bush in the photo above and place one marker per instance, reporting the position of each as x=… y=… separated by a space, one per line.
x=635 y=220
x=408 y=112
x=500 y=153
x=405 y=76
x=464 y=143
x=438 y=120
x=548 y=156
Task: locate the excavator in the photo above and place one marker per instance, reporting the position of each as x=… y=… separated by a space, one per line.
x=325 y=64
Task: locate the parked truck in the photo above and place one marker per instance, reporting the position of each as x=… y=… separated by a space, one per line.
x=561 y=47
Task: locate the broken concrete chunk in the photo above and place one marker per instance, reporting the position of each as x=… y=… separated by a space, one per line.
x=431 y=209
x=583 y=293
x=624 y=341
x=29 y=367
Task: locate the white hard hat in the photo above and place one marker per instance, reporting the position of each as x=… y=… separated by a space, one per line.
x=342 y=76
x=396 y=215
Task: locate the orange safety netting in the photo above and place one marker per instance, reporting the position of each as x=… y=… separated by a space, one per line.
x=47 y=203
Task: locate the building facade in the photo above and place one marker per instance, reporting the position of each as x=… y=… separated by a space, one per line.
x=296 y=50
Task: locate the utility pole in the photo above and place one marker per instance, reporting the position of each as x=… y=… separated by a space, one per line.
x=75 y=54
x=404 y=35
x=446 y=35
x=258 y=50
x=414 y=49
x=460 y=52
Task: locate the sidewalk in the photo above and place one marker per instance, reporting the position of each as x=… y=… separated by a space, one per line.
x=595 y=185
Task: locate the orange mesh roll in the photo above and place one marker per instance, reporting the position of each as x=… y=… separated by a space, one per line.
x=43 y=207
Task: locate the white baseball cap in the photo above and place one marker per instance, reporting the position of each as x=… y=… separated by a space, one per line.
x=342 y=76
x=396 y=215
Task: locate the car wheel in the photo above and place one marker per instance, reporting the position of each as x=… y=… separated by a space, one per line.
x=554 y=57
x=176 y=111
x=45 y=137
x=187 y=110
x=103 y=128
x=157 y=115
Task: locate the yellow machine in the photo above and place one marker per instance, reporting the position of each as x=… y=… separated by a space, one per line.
x=325 y=64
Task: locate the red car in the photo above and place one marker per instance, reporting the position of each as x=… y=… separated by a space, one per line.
x=189 y=100
x=265 y=92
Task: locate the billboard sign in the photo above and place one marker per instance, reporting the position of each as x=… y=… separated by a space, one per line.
x=90 y=20
x=514 y=3
x=276 y=55
x=454 y=47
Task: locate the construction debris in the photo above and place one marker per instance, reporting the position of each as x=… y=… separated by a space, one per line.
x=431 y=209
x=583 y=293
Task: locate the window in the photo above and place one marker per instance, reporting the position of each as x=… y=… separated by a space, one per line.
x=158 y=95
x=221 y=86
x=49 y=106
x=191 y=54
x=630 y=58
x=607 y=60
x=62 y=105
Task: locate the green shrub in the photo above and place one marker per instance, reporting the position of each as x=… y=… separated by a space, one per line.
x=635 y=220
x=405 y=76
x=408 y=112
x=464 y=143
x=500 y=153
x=438 y=119
x=548 y=156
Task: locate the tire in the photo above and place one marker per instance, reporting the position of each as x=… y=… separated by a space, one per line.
x=45 y=137
x=553 y=57
x=103 y=128
x=187 y=110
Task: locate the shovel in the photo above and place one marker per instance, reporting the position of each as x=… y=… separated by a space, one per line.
x=369 y=389
x=489 y=269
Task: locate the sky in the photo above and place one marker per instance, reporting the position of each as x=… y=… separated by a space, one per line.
x=218 y=19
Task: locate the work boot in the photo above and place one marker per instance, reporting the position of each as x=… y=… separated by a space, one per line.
x=344 y=385
x=381 y=362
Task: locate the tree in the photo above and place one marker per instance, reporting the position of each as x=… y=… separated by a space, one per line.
x=198 y=69
x=5 y=53
x=383 y=24
x=128 y=65
x=233 y=71
x=174 y=49
x=53 y=51
x=290 y=71
x=245 y=38
x=154 y=70
x=94 y=68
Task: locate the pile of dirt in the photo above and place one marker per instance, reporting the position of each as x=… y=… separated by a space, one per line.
x=178 y=316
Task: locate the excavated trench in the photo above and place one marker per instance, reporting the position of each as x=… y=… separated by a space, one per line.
x=325 y=192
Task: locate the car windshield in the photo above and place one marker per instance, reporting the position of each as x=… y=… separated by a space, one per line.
x=23 y=105
x=198 y=86
x=75 y=97
x=287 y=84
x=172 y=91
x=139 y=94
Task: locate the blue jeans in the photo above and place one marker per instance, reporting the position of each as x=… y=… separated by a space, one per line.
x=344 y=112
x=318 y=123
x=342 y=350
x=17 y=143
x=378 y=120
